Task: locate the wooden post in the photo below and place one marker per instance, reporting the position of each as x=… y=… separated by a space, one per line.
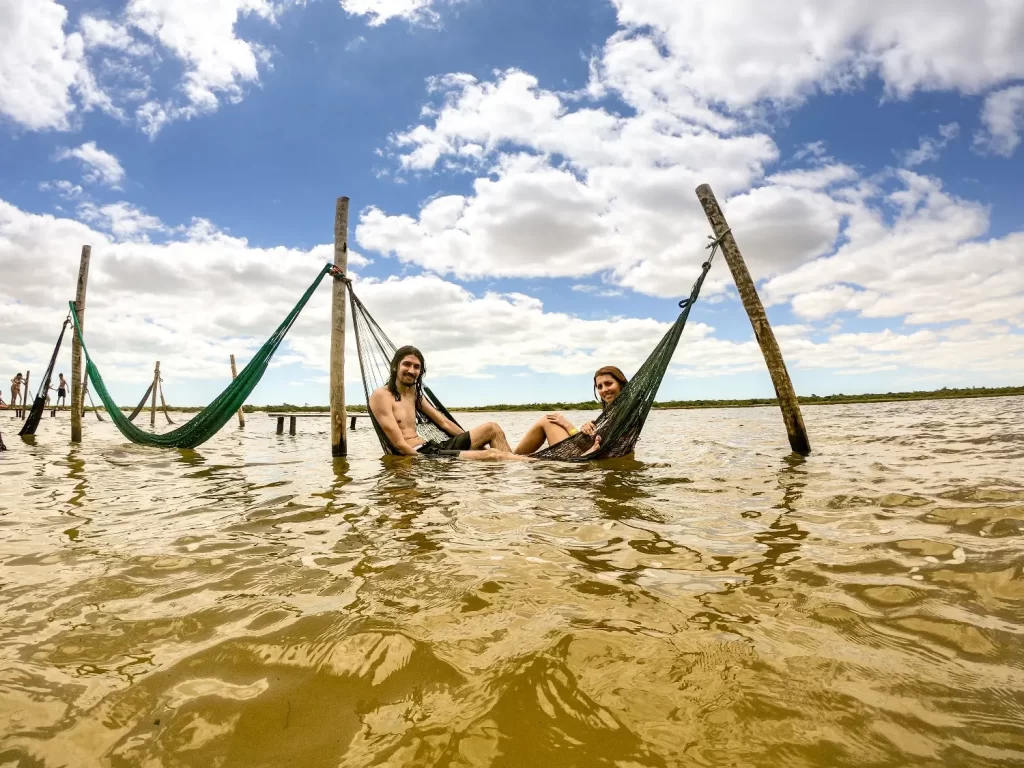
x=234 y=375
x=77 y=374
x=339 y=436
x=24 y=396
x=156 y=385
x=163 y=404
x=784 y=391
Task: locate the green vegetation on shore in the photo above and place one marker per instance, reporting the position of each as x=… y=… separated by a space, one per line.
x=945 y=393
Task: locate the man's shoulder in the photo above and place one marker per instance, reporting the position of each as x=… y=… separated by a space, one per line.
x=381 y=397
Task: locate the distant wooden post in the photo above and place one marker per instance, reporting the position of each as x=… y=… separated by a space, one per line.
x=339 y=435
x=762 y=330
x=234 y=375
x=24 y=396
x=156 y=386
x=77 y=392
x=163 y=404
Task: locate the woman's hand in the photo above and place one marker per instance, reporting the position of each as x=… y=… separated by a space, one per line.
x=588 y=428
x=560 y=420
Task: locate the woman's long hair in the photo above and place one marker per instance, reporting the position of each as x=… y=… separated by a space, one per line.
x=615 y=373
x=401 y=353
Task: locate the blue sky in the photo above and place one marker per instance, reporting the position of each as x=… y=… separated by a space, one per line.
x=521 y=178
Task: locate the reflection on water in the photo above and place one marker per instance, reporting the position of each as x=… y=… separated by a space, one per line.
x=714 y=601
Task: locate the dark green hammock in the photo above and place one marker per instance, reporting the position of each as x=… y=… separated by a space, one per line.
x=208 y=421
x=619 y=424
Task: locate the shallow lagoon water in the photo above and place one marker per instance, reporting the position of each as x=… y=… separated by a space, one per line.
x=716 y=601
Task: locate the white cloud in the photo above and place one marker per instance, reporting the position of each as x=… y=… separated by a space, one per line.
x=123 y=220
x=63 y=187
x=108 y=63
x=740 y=52
x=202 y=36
x=930 y=148
x=1003 y=116
x=103 y=33
x=99 y=166
x=382 y=11
x=566 y=189
x=41 y=67
x=927 y=265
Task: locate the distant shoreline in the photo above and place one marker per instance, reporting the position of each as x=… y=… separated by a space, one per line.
x=840 y=399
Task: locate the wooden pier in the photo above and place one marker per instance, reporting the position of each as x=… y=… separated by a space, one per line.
x=292 y=417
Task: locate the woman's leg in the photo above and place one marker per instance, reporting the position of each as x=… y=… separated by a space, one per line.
x=543 y=430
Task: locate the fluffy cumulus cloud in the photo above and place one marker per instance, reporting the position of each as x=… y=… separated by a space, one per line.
x=42 y=68
x=802 y=46
x=98 y=166
x=108 y=61
x=381 y=11
x=574 y=189
x=1003 y=118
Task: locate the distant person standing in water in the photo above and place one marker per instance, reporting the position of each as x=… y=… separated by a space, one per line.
x=62 y=391
x=15 y=389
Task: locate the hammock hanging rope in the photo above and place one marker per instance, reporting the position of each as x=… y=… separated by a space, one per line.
x=208 y=421
x=39 y=404
x=619 y=424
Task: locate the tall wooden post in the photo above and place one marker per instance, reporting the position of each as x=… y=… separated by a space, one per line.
x=156 y=386
x=234 y=375
x=339 y=434
x=24 y=396
x=77 y=391
x=784 y=391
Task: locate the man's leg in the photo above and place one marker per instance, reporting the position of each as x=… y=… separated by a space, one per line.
x=542 y=430
x=488 y=434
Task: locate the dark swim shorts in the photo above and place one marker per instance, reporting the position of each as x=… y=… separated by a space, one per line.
x=442 y=447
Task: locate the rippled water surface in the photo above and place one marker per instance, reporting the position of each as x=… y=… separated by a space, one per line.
x=717 y=601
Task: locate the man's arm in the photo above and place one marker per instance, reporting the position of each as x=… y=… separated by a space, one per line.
x=438 y=418
x=384 y=414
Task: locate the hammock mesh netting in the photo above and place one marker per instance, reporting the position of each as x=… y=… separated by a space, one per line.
x=375 y=352
x=619 y=424
x=208 y=421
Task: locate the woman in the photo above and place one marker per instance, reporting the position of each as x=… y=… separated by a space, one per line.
x=15 y=389
x=554 y=428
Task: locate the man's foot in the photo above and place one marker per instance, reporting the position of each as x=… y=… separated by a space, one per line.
x=594 y=448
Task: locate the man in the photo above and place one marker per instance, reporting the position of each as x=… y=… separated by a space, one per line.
x=62 y=391
x=394 y=407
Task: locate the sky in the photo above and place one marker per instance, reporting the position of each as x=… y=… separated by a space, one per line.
x=522 y=179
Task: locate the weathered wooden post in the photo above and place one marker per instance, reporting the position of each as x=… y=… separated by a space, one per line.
x=339 y=435
x=24 y=396
x=234 y=375
x=77 y=390
x=784 y=391
x=163 y=404
x=156 y=385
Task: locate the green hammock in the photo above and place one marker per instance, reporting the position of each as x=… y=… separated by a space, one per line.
x=208 y=421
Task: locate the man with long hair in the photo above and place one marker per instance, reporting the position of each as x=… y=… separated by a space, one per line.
x=394 y=408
